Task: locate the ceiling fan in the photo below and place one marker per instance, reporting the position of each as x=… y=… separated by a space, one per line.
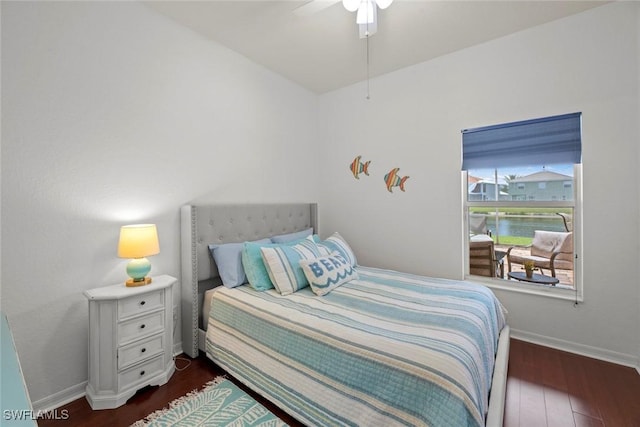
x=366 y=18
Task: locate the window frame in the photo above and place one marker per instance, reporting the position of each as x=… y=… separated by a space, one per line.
x=577 y=293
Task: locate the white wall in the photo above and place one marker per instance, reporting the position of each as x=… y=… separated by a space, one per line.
x=112 y=114
x=588 y=63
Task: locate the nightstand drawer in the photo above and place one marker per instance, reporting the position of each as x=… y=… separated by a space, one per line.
x=138 y=374
x=140 y=327
x=138 y=351
x=140 y=304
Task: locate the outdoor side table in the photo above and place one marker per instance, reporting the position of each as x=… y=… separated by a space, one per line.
x=541 y=279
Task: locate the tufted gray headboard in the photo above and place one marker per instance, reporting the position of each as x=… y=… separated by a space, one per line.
x=228 y=223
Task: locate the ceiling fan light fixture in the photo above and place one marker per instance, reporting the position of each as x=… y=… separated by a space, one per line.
x=366 y=16
x=366 y=12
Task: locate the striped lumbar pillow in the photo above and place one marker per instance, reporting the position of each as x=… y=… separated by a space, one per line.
x=283 y=264
x=337 y=243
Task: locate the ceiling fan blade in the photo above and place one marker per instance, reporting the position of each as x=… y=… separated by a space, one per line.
x=313 y=6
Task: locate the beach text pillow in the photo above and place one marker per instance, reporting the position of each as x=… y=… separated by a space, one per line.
x=328 y=272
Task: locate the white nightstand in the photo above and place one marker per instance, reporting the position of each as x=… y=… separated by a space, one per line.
x=130 y=340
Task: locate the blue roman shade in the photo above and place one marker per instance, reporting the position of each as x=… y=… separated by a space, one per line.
x=545 y=141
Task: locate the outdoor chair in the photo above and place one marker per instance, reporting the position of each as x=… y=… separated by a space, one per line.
x=482 y=258
x=478 y=225
x=549 y=250
x=566 y=219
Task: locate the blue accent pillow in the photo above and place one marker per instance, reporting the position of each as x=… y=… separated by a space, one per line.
x=254 y=267
x=283 y=264
x=290 y=237
x=328 y=272
x=337 y=243
x=228 y=258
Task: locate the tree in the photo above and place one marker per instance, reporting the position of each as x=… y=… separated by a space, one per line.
x=508 y=179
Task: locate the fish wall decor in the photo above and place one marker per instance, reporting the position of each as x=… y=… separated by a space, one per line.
x=392 y=179
x=357 y=167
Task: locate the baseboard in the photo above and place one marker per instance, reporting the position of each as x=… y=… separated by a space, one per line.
x=60 y=398
x=75 y=392
x=177 y=349
x=581 y=349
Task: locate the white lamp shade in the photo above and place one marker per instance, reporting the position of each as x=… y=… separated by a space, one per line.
x=138 y=241
x=351 y=5
x=383 y=4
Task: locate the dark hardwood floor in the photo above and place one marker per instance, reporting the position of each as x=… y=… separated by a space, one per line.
x=545 y=387
x=188 y=377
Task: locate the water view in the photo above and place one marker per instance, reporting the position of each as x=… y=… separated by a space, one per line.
x=523 y=226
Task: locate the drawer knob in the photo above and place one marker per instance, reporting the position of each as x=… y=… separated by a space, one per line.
x=143 y=350
x=142 y=302
x=141 y=373
x=142 y=326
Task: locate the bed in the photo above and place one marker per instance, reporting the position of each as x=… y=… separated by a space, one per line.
x=386 y=349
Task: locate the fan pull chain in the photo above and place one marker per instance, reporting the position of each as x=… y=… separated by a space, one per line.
x=368 y=61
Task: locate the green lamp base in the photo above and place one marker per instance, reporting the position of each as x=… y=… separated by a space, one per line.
x=137 y=269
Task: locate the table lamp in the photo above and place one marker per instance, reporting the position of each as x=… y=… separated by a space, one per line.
x=137 y=242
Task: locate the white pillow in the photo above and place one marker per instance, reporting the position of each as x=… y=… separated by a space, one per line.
x=328 y=272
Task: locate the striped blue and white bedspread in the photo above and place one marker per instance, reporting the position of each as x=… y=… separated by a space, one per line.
x=387 y=349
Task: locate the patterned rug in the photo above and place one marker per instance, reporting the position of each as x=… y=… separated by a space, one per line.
x=219 y=403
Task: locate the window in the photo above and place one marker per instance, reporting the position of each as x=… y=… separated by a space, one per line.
x=531 y=171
